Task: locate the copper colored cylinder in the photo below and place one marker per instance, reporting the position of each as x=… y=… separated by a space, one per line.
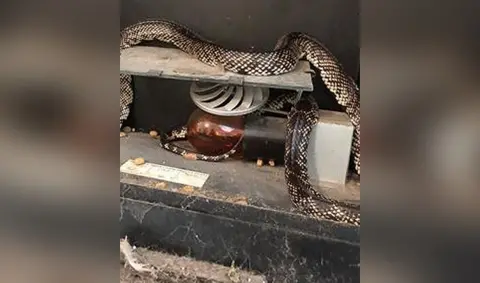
x=214 y=135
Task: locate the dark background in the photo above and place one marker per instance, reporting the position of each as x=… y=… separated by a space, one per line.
x=243 y=24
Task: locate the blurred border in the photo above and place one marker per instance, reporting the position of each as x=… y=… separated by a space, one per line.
x=59 y=140
x=420 y=137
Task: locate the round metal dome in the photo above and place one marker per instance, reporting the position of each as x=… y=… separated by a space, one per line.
x=228 y=100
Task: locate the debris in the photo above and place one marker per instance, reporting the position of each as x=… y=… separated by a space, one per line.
x=271 y=162
x=160 y=185
x=190 y=156
x=233 y=273
x=122 y=134
x=153 y=134
x=240 y=200
x=186 y=190
x=139 y=161
x=259 y=162
x=143 y=265
x=130 y=259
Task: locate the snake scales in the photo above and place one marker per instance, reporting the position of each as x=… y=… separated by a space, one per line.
x=289 y=49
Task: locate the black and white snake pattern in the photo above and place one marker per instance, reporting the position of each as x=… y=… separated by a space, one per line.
x=289 y=49
x=167 y=139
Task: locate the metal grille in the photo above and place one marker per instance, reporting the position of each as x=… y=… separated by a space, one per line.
x=228 y=100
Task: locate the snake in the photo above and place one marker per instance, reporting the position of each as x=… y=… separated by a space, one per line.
x=287 y=52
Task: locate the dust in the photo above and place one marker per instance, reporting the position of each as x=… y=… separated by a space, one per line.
x=147 y=266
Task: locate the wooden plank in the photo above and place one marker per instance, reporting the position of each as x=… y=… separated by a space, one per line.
x=172 y=63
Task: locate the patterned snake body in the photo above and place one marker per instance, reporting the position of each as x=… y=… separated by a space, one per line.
x=166 y=140
x=300 y=122
x=288 y=51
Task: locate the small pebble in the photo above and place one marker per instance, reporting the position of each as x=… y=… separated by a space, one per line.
x=153 y=134
x=139 y=161
x=122 y=134
x=241 y=202
x=259 y=162
x=127 y=129
x=271 y=163
x=190 y=156
x=133 y=129
x=161 y=185
x=187 y=189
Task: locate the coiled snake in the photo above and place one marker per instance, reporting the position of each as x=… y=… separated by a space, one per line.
x=289 y=49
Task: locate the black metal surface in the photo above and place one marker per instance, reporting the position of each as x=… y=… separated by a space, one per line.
x=208 y=223
x=285 y=247
x=264 y=137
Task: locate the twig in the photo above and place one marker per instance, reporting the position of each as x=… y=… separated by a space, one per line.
x=162 y=267
x=127 y=251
